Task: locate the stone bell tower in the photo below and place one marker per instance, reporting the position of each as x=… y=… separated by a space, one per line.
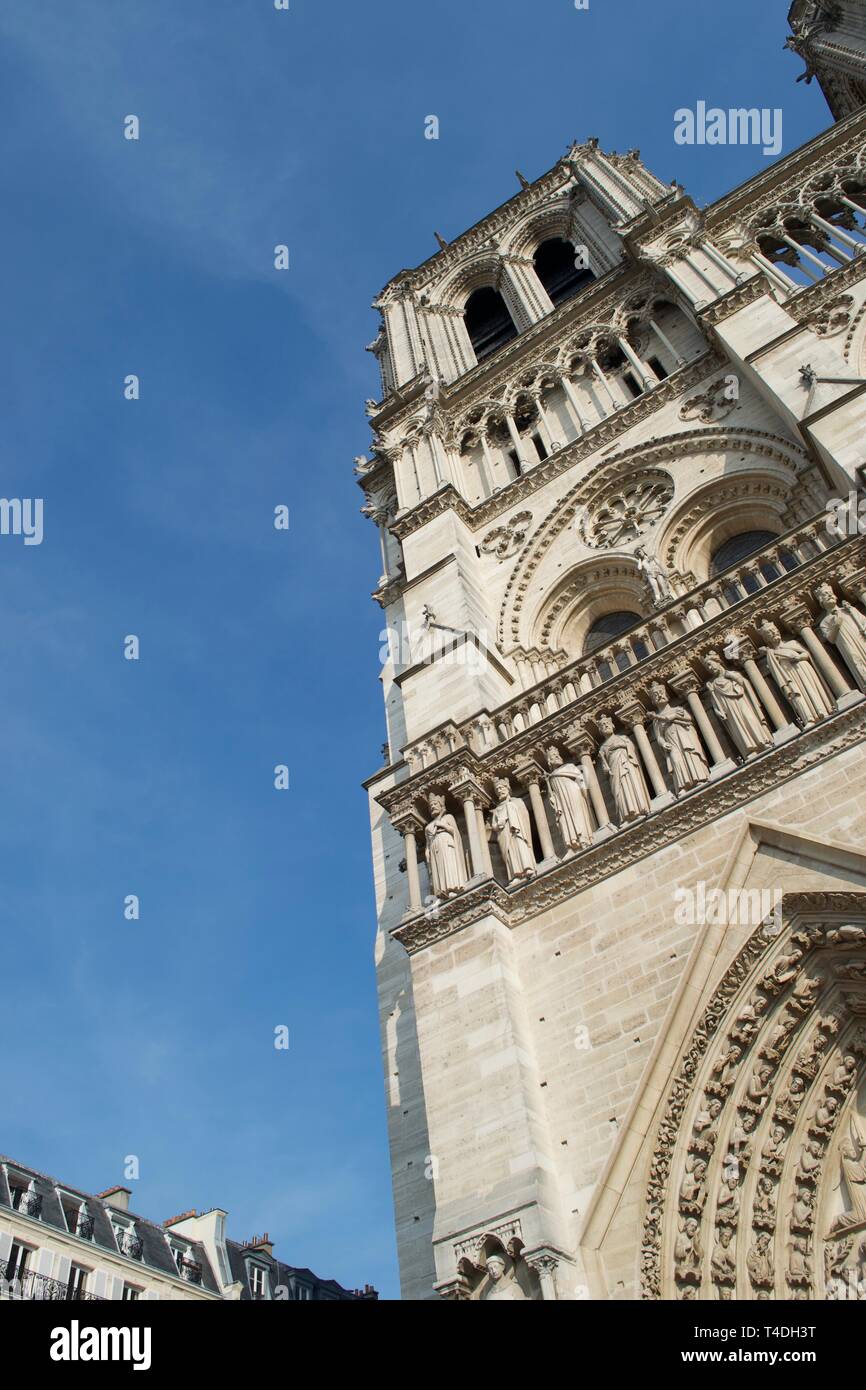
x=618 y=840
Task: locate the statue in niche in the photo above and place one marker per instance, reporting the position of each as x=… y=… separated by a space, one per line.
x=736 y=705
x=824 y=1120
x=843 y=1076
x=790 y=1101
x=773 y=1152
x=678 y=738
x=759 y=1262
x=740 y=1142
x=444 y=851
x=804 y=994
x=705 y=1130
x=848 y=936
x=692 y=1195
x=801 y=1212
x=656 y=577
x=845 y=626
x=758 y=1089
x=687 y=1251
x=568 y=793
x=811 y=1158
x=723 y=1266
x=764 y=1211
x=790 y=666
x=728 y=1200
x=621 y=763
x=853 y=1170
x=509 y=821
x=749 y=1017
x=799 y=1271
x=500 y=1288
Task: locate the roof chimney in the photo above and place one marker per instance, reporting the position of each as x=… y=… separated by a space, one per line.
x=116 y=1197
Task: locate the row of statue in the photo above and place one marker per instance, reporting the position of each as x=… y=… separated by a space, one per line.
x=734 y=700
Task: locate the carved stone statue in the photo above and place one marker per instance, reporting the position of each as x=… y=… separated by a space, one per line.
x=851 y=1155
x=687 y=1252
x=621 y=763
x=656 y=577
x=692 y=1194
x=678 y=738
x=845 y=626
x=790 y=666
x=736 y=705
x=500 y=1287
x=723 y=1266
x=759 y=1263
x=444 y=850
x=568 y=792
x=509 y=821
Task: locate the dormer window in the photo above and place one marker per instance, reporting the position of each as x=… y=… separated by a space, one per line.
x=488 y=322
x=128 y=1243
x=78 y=1220
x=258 y=1281
x=23 y=1195
x=559 y=269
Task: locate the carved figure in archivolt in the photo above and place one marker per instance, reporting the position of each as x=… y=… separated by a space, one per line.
x=790 y=666
x=678 y=739
x=845 y=626
x=620 y=761
x=509 y=821
x=568 y=792
x=736 y=705
x=444 y=849
x=853 y=1174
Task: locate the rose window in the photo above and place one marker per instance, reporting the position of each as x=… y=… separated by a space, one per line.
x=623 y=516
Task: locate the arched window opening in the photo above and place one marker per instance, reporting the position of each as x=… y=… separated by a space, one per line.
x=488 y=322
x=606 y=628
x=557 y=267
x=739 y=548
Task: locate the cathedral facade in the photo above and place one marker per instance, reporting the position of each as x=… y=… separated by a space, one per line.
x=619 y=843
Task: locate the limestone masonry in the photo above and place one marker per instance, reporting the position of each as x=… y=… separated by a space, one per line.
x=619 y=844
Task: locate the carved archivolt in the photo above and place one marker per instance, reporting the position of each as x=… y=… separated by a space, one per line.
x=775 y=463
x=757 y=1184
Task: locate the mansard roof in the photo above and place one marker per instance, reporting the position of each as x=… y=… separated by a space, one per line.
x=156 y=1254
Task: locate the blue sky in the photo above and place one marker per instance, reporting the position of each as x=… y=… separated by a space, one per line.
x=155 y=257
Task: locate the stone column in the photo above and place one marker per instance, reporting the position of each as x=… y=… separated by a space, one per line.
x=571 y=398
x=632 y=715
x=515 y=439
x=665 y=340
x=643 y=375
x=602 y=379
x=470 y=794
x=545 y=1265
x=409 y=823
x=747 y=658
x=797 y=618
x=529 y=775
x=582 y=745
x=543 y=427
x=687 y=683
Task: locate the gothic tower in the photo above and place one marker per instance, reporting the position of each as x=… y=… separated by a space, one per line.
x=619 y=845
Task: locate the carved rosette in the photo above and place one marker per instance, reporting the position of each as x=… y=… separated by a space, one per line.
x=757 y=1184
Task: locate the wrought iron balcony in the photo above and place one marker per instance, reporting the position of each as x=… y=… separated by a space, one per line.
x=39 y=1287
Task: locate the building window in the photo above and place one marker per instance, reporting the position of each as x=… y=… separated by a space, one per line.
x=488 y=322
x=739 y=548
x=556 y=265
x=258 y=1281
x=605 y=629
x=658 y=367
x=77 y=1282
x=18 y=1263
x=130 y=1293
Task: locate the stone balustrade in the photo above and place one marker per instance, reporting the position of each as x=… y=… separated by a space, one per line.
x=739 y=669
